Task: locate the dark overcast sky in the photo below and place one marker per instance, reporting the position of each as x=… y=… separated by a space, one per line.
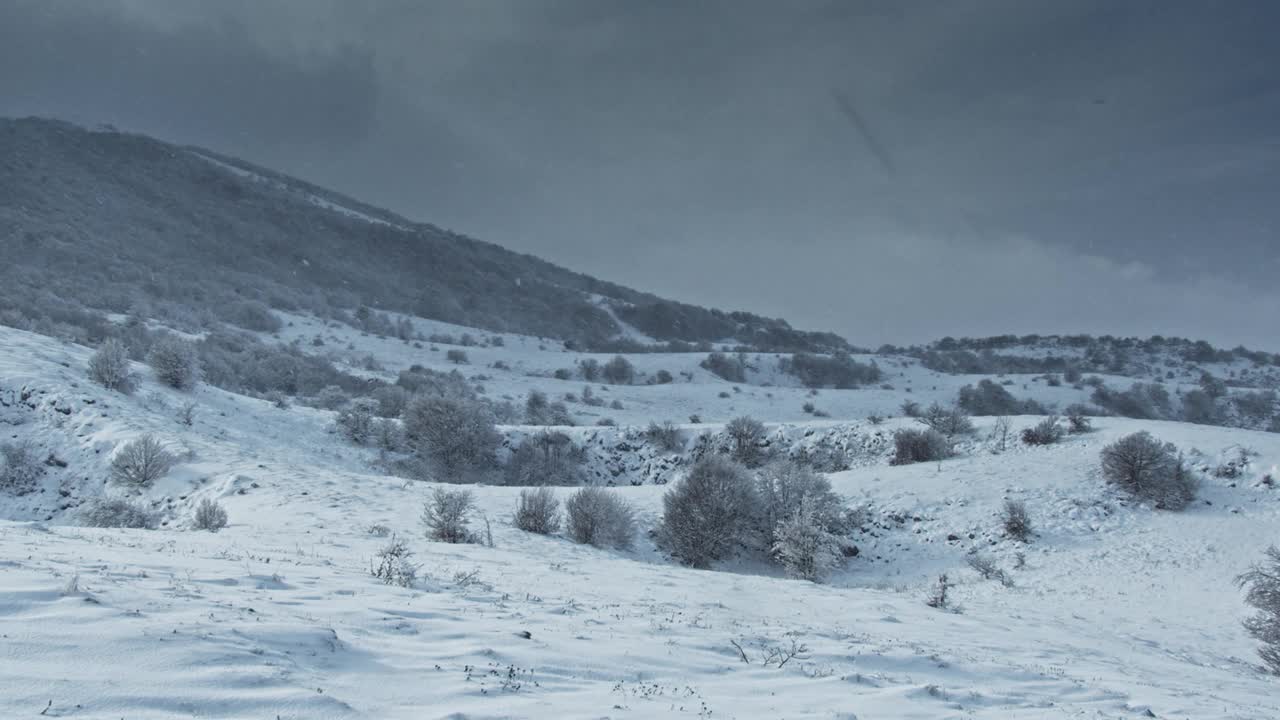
x=892 y=170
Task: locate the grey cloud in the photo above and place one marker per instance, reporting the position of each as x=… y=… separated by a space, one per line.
x=682 y=147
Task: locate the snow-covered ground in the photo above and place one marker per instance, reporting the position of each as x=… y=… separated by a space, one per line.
x=1119 y=611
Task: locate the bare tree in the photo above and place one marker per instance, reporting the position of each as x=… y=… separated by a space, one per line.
x=210 y=515
x=446 y=515
x=141 y=462
x=1016 y=520
x=1262 y=592
x=746 y=434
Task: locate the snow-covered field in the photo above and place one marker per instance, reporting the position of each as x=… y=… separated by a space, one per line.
x=1119 y=611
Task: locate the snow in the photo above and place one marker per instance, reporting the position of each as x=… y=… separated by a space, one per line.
x=310 y=197
x=1119 y=610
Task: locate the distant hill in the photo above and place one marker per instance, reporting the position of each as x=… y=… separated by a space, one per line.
x=103 y=221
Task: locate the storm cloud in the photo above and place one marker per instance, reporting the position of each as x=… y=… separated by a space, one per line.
x=894 y=171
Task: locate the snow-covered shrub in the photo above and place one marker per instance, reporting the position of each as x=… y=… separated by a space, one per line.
x=117 y=513
x=1078 y=421
x=393 y=564
x=745 y=435
x=537 y=511
x=356 y=421
x=252 y=315
x=457 y=357
x=937 y=597
x=665 y=437
x=277 y=399
x=1149 y=470
x=599 y=517
x=618 y=371
x=839 y=370
x=548 y=458
x=804 y=545
x=109 y=366
x=913 y=446
x=175 y=362
x=990 y=398
x=540 y=411
x=1045 y=432
x=1016 y=520
x=19 y=468
x=456 y=435
x=711 y=511
x=139 y=463
x=331 y=397
x=391 y=400
x=782 y=486
x=725 y=367
x=1144 y=401
x=1262 y=593
x=590 y=369
x=387 y=435
x=950 y=422
x=988 y=569
x=210 y=516
x=446 y=515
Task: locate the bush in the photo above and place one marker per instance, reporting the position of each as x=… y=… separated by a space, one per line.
x=745 y=434
x=599 y=517
x=391 y=400
x=457 y=357
x=141 y=462
x=548 y=458
x=1078 y=421
x=914 y=446
x=665 y=437
x=210 y=516
x=590 y=369
x=446 y=513
x=356 y=422
x=1262 y=593
x=394 y=565
x=175 y=362
x=563 y=374
x=733 y=369
x=109 y=366
x=840 y=370
x=950 y=422
x=782 y=486
x=455 y=434
x=117 y=513
x=539 y=411
x=803 y=544
x=252 y=315
x=618 y=371
x=21 y=468
x=990 y=398
x=709 y=512
x=331 y=397
x=1016 y=520
x=1149 y=470
x=1045 y=432
x=538 y=511
x=663 y=377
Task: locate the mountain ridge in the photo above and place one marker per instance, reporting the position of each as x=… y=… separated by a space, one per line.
x=141 y=218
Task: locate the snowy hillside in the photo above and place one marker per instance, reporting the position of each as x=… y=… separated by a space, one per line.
x=1114 y=609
